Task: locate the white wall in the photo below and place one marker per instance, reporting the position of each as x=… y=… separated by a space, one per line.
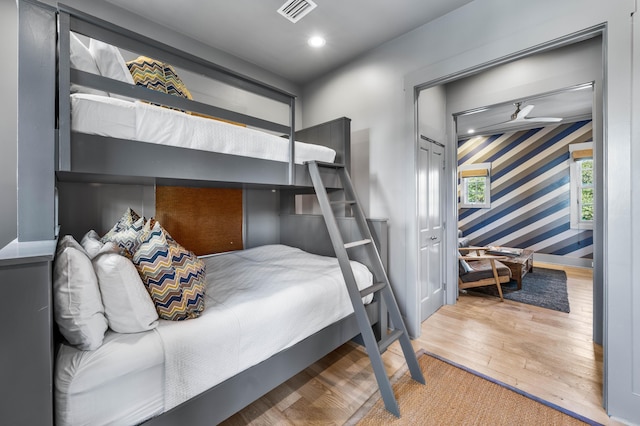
x=536 y=74
x=8 y=120
x=370 y=93
x=376 y=92
x=432 y=113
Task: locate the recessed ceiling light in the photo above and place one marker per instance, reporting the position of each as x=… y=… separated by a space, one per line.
x=316 y=41
x=471 y=131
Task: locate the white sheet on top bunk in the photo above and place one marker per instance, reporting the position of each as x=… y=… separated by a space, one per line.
x=254 y=317
x=258 y=302
x=107 y=116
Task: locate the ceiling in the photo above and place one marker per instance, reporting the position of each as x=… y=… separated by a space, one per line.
x=254 y=31
x=571 y=104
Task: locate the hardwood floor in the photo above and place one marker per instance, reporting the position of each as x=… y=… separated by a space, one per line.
x=546 y=353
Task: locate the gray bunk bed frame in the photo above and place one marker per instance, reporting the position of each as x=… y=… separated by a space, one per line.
x=48 y=152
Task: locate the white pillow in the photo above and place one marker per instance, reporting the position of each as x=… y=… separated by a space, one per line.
x=68 y=241
x=127 y=304
x=77 y=304
x=82 y=60
x=110 y=62
x=91 y=243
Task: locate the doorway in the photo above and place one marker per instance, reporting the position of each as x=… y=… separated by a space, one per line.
x=528 y=77
x=474 y=89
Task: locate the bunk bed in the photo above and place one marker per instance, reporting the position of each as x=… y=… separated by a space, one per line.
x=71 y=150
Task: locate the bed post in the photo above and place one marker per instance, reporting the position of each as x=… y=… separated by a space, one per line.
x=64 y=103
x=335 y=134
x=292 y=140
x=36 y=121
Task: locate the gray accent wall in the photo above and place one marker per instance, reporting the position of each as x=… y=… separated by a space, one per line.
x=261 y=217
x=86 y=206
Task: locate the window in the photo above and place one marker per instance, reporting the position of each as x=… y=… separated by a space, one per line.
x=475 y=186
x=582 y=185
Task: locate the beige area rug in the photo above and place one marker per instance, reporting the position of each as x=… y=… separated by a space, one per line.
x=455 y=395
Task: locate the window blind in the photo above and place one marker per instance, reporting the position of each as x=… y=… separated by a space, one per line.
x=579 y=154
x=474 y=173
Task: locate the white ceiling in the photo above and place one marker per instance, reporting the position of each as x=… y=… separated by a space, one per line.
x=255 y=32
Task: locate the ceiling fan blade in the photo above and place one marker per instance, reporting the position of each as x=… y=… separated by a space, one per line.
x=544 y=119
x=493 y=125
x=522 y=114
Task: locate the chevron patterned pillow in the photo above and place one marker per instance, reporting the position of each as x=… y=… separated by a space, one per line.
x=175 y=86
x=126 y=221
x=148 y=72
x=129 y=238
x=174 y=276
x=158 y=76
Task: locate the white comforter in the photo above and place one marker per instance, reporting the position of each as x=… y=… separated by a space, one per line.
x=253 y=315
x=118 y=118
x=258 y=302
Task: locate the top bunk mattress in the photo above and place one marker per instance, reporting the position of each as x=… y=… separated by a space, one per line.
x=140 y=121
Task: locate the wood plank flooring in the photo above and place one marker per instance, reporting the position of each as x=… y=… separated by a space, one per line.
x=546 y=353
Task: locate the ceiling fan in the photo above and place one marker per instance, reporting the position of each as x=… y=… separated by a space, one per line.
x=521 y=116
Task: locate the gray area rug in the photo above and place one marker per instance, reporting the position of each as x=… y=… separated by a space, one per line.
x=546 y=288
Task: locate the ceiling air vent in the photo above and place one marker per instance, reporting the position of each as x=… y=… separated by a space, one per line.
x=294 y=10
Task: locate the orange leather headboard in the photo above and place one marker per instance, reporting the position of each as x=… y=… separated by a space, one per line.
x=203 y=220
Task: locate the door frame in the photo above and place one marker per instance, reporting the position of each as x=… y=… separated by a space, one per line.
x=418 y=81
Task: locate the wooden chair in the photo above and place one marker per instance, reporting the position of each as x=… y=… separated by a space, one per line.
x=480 y=269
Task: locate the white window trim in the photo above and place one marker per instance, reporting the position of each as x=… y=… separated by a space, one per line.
x=487 y=187
x=575 y=178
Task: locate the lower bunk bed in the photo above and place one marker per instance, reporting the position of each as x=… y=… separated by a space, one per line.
x=270 y=311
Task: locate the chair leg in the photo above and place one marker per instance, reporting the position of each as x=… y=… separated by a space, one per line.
x=497 y=278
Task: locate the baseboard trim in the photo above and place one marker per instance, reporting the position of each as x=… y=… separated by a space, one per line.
x=577 y=262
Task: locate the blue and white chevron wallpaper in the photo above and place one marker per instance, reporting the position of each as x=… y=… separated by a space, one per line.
x=529 y=190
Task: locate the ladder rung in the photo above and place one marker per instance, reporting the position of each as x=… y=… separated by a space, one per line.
x=330 y=165
x=389 y=339
x=372 y=289
x=343 y=202
x=357 y=243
